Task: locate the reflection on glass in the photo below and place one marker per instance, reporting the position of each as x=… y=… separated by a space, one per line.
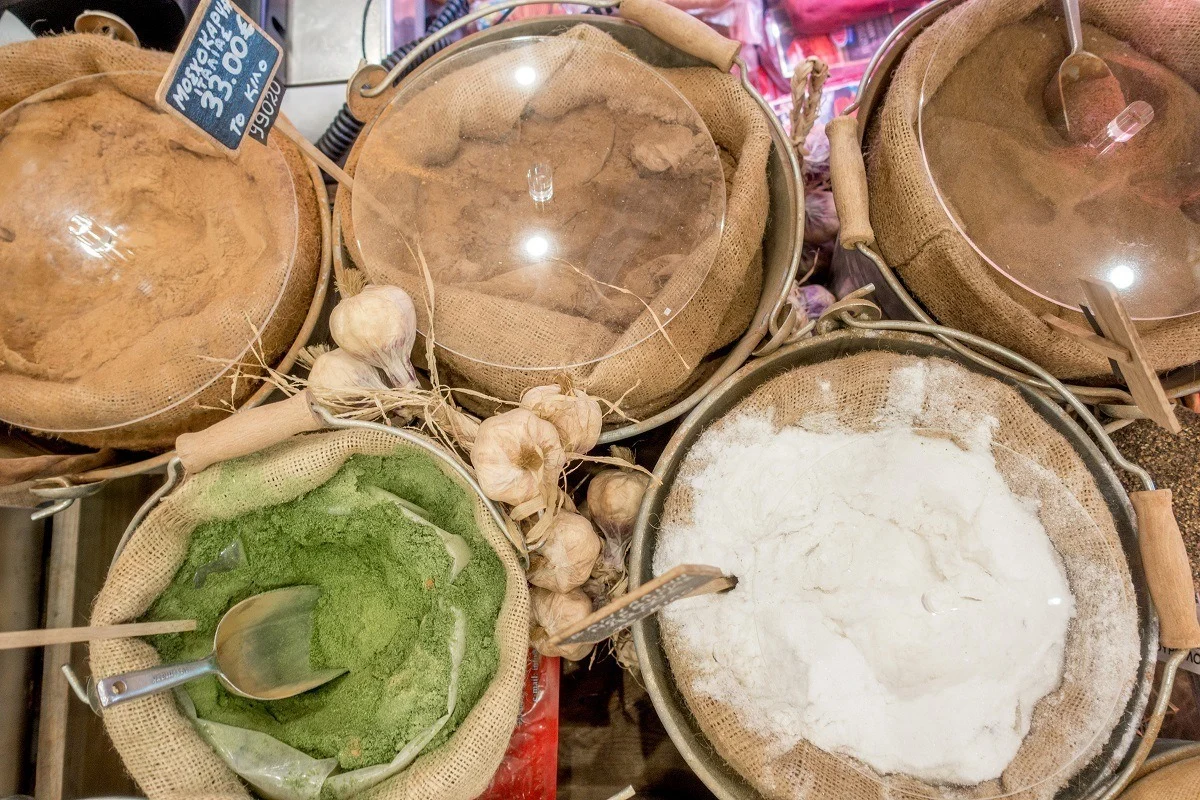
x=1121 y=276
x=537 y=246
x=525 y=76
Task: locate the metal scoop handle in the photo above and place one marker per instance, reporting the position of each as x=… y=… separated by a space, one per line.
x=1074 y=24
x=143 y=682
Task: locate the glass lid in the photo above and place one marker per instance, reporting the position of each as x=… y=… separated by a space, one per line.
x=565 y=199
x=997 y=587
x=1089 y=171
x=141 y=261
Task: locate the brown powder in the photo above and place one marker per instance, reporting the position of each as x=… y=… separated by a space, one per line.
x=1045 y=208
x=136 y=248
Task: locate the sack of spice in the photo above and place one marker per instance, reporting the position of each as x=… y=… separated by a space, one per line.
x=1154 y=55
x=757 y=727
x=435 y=636
x=643 y=369
x=205 y=255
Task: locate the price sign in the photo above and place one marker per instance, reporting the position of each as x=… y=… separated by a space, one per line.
x=685 y=580
x=221 y=74
x=268 y=112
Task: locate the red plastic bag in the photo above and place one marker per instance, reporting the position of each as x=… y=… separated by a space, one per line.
x=529 y=770
x=823 y=16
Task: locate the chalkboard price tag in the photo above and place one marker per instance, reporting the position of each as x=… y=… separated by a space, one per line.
x=267 y=113
x=221 y=72
x=685 y=580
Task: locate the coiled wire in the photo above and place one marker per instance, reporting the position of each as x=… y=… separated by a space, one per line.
x=341 y=134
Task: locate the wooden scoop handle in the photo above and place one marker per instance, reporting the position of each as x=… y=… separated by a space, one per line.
x=247 y=432
x=49 y=636
x=1167 y=569
x=848 y=174
x=679 y=28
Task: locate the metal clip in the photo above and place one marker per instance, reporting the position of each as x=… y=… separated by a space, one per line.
x=855 y=304
x=86 y=692
x=62 y=493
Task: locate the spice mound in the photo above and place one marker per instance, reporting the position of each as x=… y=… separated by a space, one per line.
x=132 y=248
x=897 y=603
x=410 y=593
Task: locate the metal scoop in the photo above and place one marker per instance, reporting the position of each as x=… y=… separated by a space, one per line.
x=260 y=651
x=1084 y=95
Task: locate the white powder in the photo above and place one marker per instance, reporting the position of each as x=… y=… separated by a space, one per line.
x=896 y=602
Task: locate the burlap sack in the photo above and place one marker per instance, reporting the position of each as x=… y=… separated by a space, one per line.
x=160 y=747
x=919 y=241
x=657 y=370
x=1180 y=781
x=1070 y=725
x=29 y=67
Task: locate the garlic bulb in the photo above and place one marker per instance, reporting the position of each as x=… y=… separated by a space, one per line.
x=338 y=371
x=820 y=217
x=576 y=416
x=565 y=561
x=379 y=326
x=613 y=498
x=517 y=457
x=554 y=612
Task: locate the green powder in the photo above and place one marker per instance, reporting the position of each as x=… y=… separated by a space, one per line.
x=386 y=611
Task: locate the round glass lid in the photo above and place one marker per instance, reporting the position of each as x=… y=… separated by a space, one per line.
x=140 y=260
x=1089 y=171
x=558 y=201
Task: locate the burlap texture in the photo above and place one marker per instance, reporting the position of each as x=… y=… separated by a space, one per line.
x=920 y=242
x=1180 y=781
x=1102 y=653
x=29 y=67
x=719 y=311
x=160 y=747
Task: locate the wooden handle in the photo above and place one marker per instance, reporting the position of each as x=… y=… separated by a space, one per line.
x=1167 y=569
x=48 y=636
x=848 y=174
x=246 y=432
x=681 y=29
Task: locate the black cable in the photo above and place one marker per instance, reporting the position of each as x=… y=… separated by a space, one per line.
x=341 y=134
x=362 y=39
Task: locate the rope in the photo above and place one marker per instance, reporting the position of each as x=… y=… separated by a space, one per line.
x=807 y=82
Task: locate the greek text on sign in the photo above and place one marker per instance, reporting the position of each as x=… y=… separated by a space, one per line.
x=220 y=72
x=685 y=580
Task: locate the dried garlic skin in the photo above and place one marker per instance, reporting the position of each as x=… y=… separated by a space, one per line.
x=339 y=371
x=517 y=456
x=565 y=559
x=575 y=415
x=614 y=497
x=555 y=611
x=379 y=326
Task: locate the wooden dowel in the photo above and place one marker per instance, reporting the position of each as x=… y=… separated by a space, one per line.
x=323 y=161
x=49 y=636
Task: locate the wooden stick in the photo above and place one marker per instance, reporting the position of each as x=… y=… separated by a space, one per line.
x=330 y=168
x=51 y=636
x=60 y=612
x=1117 y=326
x=1089 y=339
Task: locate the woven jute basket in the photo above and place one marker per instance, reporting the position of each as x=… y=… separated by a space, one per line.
x=1178 y=781
x=160 y=747
x=1071 y=725
x=647 y=376
x=30 y=67
x=920 y=242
